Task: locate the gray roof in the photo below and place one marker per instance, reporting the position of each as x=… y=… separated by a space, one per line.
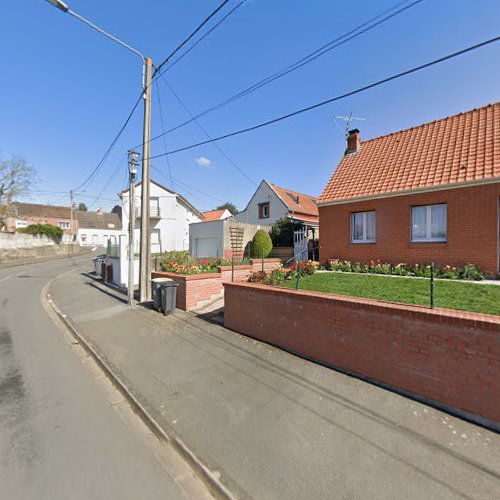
x=94 y=220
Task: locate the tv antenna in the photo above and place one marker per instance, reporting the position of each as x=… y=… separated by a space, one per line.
x=347 y=120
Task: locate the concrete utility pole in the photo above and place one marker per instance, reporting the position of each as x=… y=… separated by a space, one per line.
x=145 y=251
x=147 y=67
x=71 y=220
x=132 y=168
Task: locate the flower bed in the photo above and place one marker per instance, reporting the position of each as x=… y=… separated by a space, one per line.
x=467 y=272
x=205 y=278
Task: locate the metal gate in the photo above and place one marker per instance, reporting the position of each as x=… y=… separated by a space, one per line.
x=300 y=245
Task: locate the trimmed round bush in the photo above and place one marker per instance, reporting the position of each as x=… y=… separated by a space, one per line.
x=261 y=243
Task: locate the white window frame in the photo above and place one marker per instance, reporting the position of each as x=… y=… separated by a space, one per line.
x=364 y=239
x=265 y=211
x=64 y=225
x=428 y=225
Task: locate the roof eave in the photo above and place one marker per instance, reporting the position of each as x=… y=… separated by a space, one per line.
x=409 y=192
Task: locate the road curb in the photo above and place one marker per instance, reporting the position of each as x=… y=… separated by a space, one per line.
x=210 y=478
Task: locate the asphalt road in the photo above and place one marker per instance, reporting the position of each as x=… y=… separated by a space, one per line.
x=60 y=437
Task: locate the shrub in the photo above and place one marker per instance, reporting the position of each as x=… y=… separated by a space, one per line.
x=305 y=268
x=277 y=276
x=470 y=272
x=53 y=232
x=448 y=272
x=400 y=270
x=258 y=277
x=177 y=256
x=261 y=243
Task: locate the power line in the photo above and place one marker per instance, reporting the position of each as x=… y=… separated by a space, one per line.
x=179 y=181
x=339 y=97
x=163 y=130
x=213 y=28
x=183 y=189
x=108 y=151
x=111 y=146
x=230 y=160
x=341 y=40
x=189 y=37
x=108 y=182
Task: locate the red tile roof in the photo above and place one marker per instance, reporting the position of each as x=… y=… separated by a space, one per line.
x=460 y=148
x=298 y=203
x=213 y=215
x=26 y=210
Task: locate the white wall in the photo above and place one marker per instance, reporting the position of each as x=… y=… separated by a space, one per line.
x=264 y=194
x=19 y=240
x=171 y=230
x=203 y=235
x=102 y=236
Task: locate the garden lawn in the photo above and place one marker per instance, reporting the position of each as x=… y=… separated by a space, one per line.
x=449 y=294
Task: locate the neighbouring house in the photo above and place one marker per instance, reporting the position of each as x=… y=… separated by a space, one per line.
x=216 y=215
x=170 y=216
x=97 y=228
x=20 y=215
x=428 y=193
x=271 y=203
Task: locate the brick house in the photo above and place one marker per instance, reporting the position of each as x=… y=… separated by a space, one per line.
x=21 y=215
x=428 y=193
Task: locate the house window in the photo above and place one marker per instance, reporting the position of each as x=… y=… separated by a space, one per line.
x=154 y=206
x=84 y=238
x=363 y=227
x=95 y=239
x=428 y=223
x=64 y=225
x=264 y=210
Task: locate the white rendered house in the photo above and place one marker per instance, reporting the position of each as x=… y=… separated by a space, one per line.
x=170 y=216
x=97 y=228
x=270 y=203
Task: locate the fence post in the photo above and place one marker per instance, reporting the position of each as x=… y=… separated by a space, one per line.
x=262 y=260
x=298 y=276
x=232 y=268
x=432 y=285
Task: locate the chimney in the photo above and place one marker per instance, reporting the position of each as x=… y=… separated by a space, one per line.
x=353 y=142
x=99 y=211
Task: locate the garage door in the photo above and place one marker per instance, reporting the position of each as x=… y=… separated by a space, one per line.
x=206 y=247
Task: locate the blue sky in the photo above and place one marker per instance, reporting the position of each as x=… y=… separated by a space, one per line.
x=65 y=90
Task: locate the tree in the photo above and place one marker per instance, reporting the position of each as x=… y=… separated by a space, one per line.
x=82 y=206
x=282 y=232
x=261 y=243
x=17 y=177
x=229 y=206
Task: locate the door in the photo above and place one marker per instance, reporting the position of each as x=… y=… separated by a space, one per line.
x=206 y=247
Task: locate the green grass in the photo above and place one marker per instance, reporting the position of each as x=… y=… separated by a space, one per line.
x=449 y=294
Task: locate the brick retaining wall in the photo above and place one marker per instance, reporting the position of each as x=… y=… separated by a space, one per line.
x=451 y=357
x=194 y=288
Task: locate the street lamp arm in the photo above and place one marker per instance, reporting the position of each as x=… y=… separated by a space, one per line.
x=64 y=8
x=105 y=33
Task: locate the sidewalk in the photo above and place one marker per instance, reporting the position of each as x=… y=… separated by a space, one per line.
x=274 y=425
